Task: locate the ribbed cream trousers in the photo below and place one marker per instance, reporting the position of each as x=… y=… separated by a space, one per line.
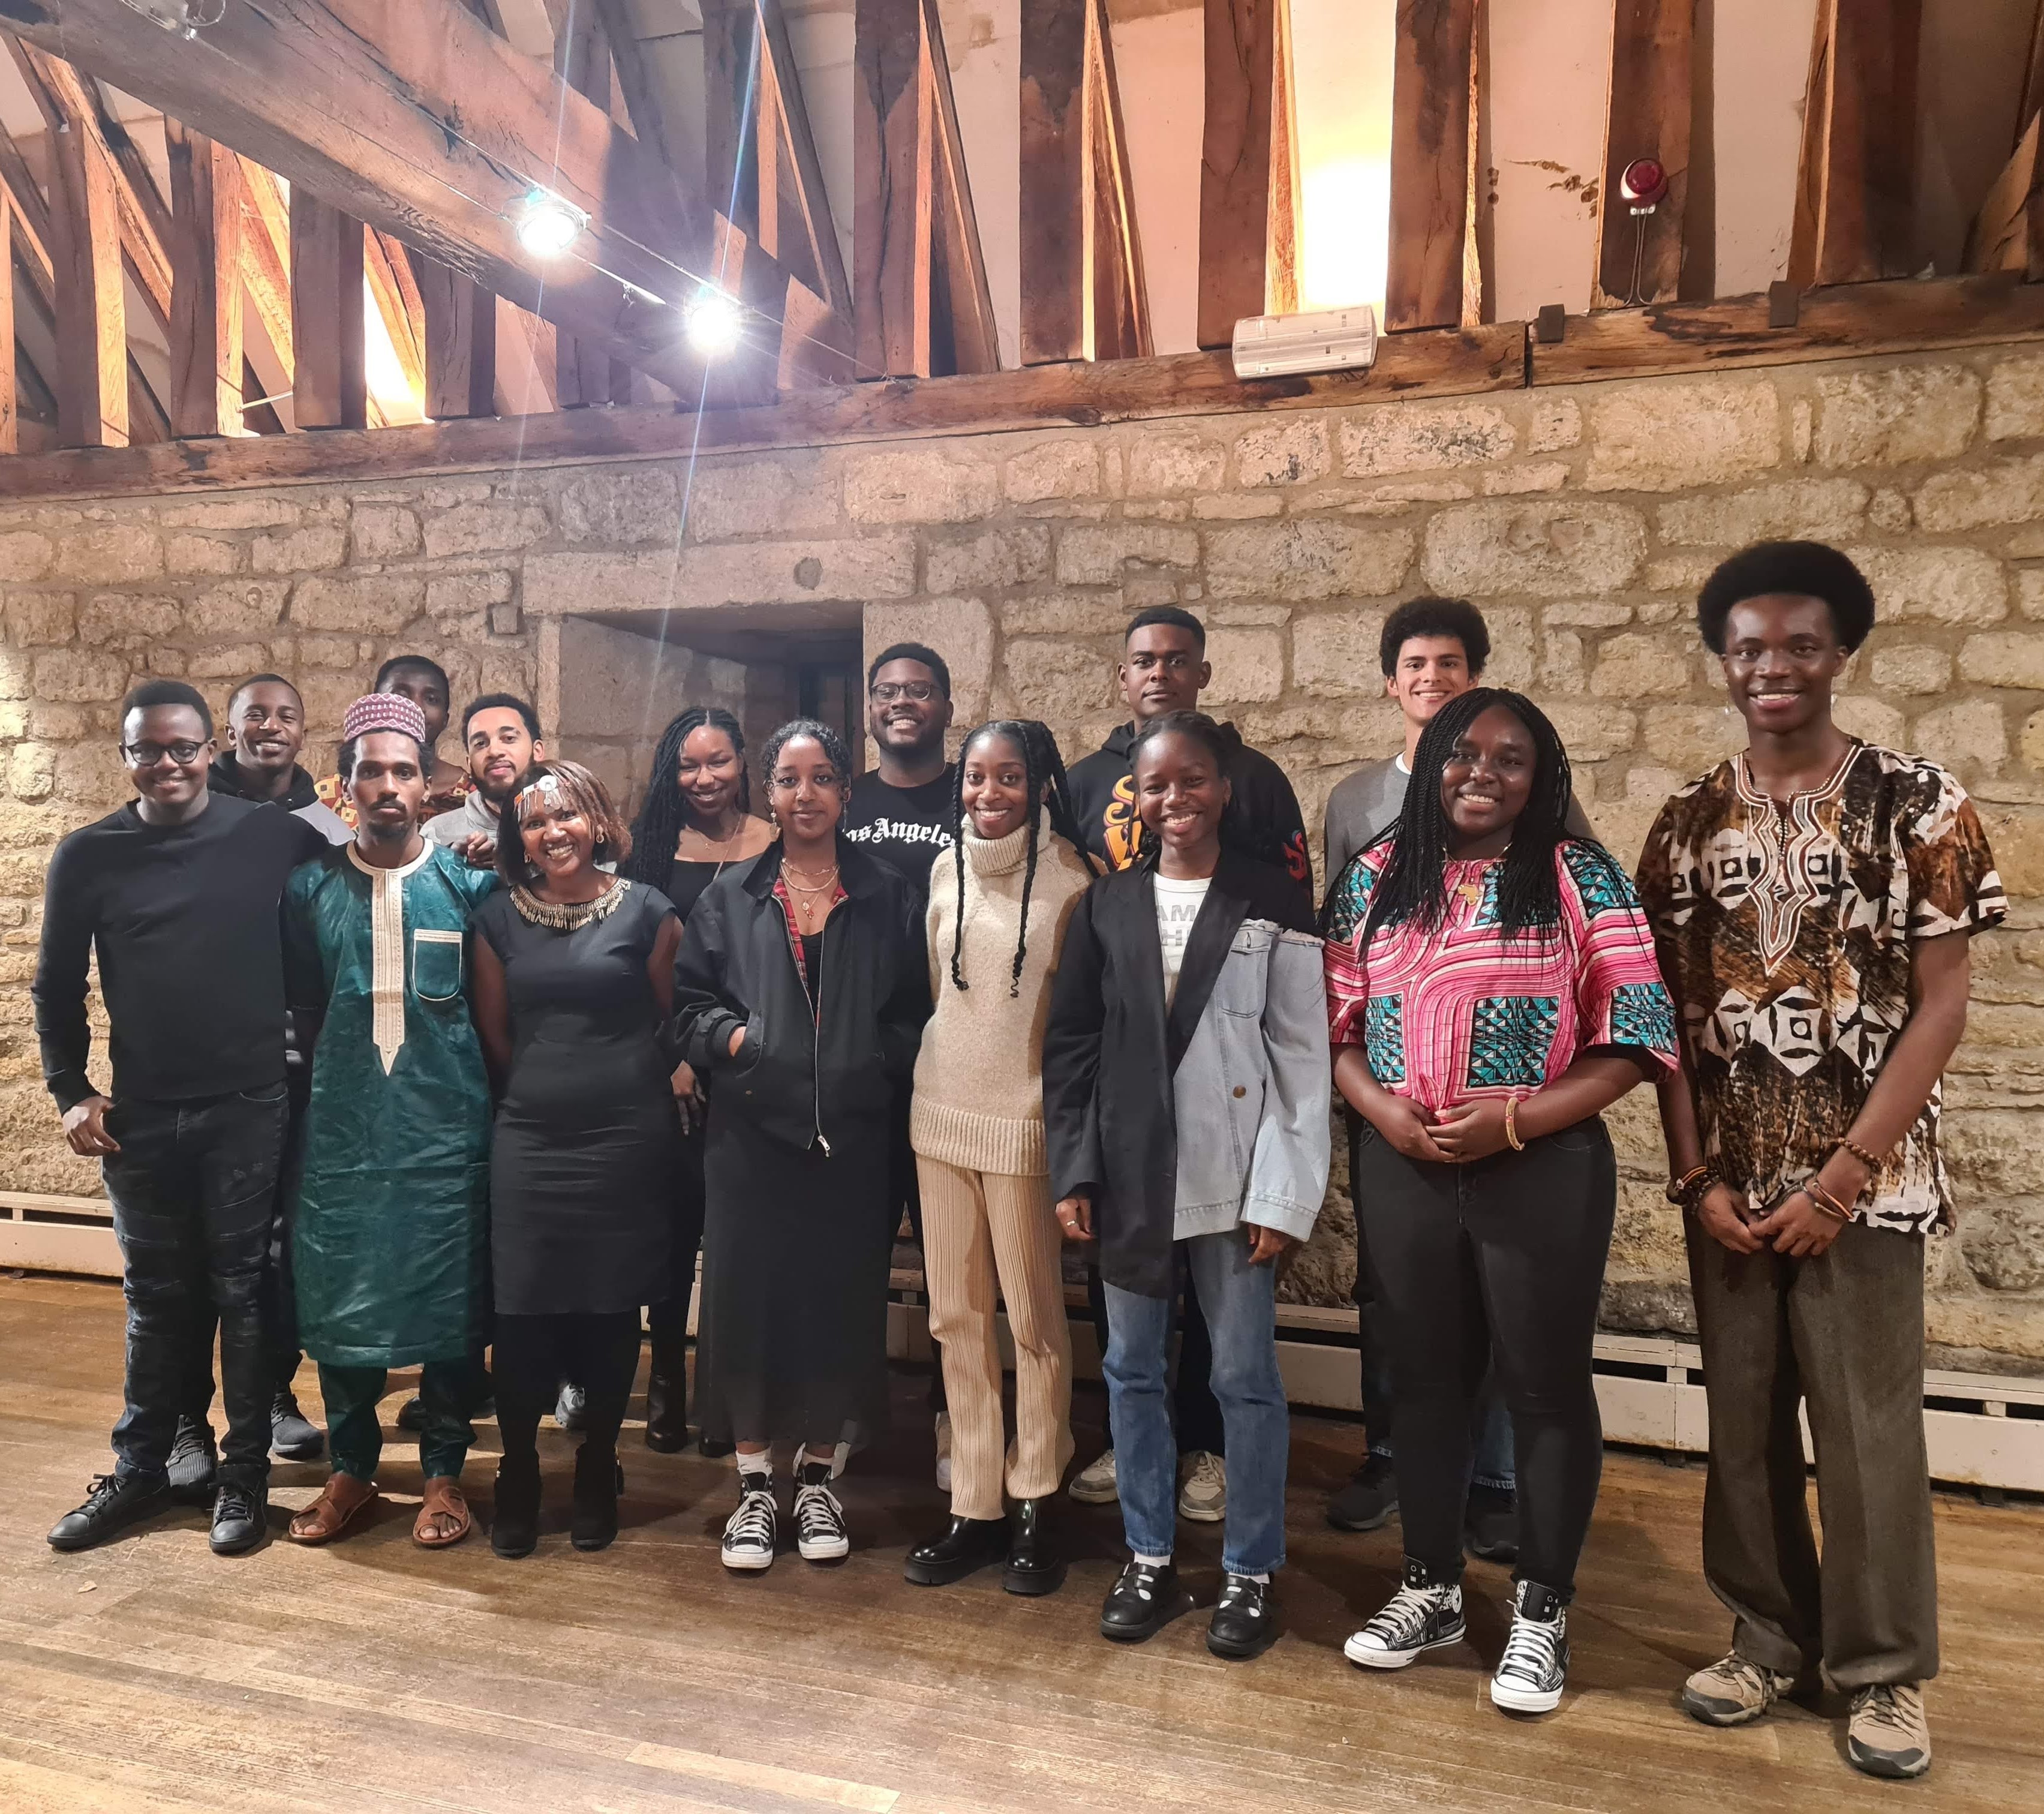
x=985 y=1233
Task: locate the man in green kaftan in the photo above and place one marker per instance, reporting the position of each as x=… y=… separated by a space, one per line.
x=390 y=1235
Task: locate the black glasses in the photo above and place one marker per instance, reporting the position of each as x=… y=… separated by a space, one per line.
x=147 y=755
x=886 y=692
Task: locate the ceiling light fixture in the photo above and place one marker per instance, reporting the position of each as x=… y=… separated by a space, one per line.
x=714 y=320
x=548 y=224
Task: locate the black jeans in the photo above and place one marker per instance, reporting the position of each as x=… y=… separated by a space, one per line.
x=1496 y=1264
x=193 y=1187
x=667 y=1317
x=1195 y=1418
x=599 y=1351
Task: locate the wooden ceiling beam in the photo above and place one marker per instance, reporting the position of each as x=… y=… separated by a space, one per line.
x=206 y=358
x=422 y=120
x=1085 y=296
x=1854 y=210
x=1249 y=168
x=460 y=337
x=266 y=255
x=8 y=439
x=1432 y=278
x=1646 y=115
x=585 y=373
x=329 y=384
x=399 y=306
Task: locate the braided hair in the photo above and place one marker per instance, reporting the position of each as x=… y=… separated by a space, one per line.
x=664 y=814
x=1047 y=788
x=1413 y=884
x=1222 y=742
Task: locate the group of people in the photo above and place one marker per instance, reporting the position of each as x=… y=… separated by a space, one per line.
x=437 y=1059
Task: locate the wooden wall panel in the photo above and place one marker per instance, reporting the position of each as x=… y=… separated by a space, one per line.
x=1432 y=276
x=1249 y=173
x=206 y=358
x=328 y=384
x=1855 y=189
x=1652 y=71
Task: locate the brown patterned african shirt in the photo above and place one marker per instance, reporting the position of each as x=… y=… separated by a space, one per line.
x=1785 y=935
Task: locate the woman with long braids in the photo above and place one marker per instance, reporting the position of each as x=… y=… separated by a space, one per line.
x=1185 y=1099
x=1000 y=901
x=696 y=822
x=800 y=991
x=1491 y=988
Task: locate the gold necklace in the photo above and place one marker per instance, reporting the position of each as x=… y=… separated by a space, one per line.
x=568 y=916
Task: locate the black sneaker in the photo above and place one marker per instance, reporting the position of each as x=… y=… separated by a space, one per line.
x=821 y=1534
x=572 y=1408
x=194 y=1456
x=1490 y=1523
x=1143 y=1602
x=1245 y=1620
x=1535 y=1668
x=752 y=1533
x=1369 y=1499
x=240 y=1518
x=111 y=1503
x=292 y=1434
x=1423 y=1615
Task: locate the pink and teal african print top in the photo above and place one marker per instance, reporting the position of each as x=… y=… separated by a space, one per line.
x=1456 y=1011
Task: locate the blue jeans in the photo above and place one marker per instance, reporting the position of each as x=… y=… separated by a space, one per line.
x=1241 y=1305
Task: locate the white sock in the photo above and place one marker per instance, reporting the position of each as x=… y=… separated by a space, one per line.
x=1153 y=1562
x=760 y=1464
x=1261 y=1579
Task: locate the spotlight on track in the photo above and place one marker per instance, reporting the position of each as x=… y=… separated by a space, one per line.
x=548 y=224
x=714 y=320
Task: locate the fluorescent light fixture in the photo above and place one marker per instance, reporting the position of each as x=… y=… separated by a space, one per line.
x=1279 y=346
x=714 y=320
x=548 y=224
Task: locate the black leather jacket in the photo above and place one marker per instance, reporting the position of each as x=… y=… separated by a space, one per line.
x=799 y=1074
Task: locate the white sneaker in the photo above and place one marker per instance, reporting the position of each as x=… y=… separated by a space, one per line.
x=820 y=1532
x=1095 y=1484
x=1421 y=1615
x=943 y=1451
x=1535 y=1668
x=752 y=1533
x=1202 y=1496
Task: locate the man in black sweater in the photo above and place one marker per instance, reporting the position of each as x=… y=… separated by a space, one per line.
x=177 y=893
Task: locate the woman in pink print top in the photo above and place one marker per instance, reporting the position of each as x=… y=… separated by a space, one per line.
x=1491 y=988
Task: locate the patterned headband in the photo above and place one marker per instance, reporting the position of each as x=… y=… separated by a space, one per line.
x=383 y=712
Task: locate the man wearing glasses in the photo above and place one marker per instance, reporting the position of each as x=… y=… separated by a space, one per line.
x=177 y=893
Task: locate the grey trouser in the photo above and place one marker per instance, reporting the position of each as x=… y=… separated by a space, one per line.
x=1842 y=1334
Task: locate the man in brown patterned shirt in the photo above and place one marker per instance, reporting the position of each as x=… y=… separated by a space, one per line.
x=1813 y=899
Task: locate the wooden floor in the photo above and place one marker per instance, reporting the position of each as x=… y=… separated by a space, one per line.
x=373 y=1675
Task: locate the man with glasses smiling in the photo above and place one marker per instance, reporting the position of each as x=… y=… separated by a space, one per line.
x=177 y=893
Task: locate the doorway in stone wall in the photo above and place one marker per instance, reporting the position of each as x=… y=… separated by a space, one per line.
x=622 y=676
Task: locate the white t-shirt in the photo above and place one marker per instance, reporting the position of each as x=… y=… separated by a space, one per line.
x=1177 y=906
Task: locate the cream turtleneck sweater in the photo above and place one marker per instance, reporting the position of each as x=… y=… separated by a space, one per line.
x=979 y=1103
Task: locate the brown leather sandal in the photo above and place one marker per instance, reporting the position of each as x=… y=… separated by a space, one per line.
x=330 y=1514
x=442 y=1500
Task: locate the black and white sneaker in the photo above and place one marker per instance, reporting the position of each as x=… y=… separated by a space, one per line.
x=752 y=1533
x=1423 y=1615
x=820 y=1531
x=1535 y=1668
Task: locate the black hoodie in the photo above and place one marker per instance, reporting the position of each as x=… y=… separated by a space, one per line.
x=225 y=777
x=1263 y=819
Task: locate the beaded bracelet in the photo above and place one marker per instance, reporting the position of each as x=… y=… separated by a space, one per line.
x=1860 y=1153
x=1687 y=1191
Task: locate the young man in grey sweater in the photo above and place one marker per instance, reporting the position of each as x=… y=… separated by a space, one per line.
x=1431 y=650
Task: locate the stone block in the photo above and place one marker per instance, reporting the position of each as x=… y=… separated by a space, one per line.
x=1065 y=614
x=1307 y=559
x=919 y=485
x=961 y=630
x=1420 y=437
x=484 y=528
x=1588 y=614
x=1334 y=655
x=1552 y=423
x=1096 y=555
x=1889 y=512
x=1897 y=415
x=1516 y=481
x=759 y=497
x=621 y=505
x=32 y=770
x=1873 y=720
x=457 y=594
x=1967 y=737
x=201 y=555
x=1054 y=681
x=557 y=584
x=1911 y=667
x=330 y=651
x=1667 y=435
x=374 y=604
x=1641 y=664
x=1693 y=739
x=1935 y=584
x=1551 y=548
x=238 y=608
x=313 y=549
x=1283 y=452
x=2008 y=490
x=2004 y=1247
x=1794 y=508
x=2030 y=592
x=1233 y=506
x=863 y=568
x=1685 y=573
x=2015 y=397
x=1562 y=669
x=2002 y=657
x=1232 y=616
x=80 y=676
x=41 y=619
x=1165 y=460
x=223 y=513
x=1066 y=467
x=229 y=662
x=25 y=555
x=1591 y=732
x=382 y=532
x=1248 y=665
x=1391 y=500
x=451 y=497
x=1012 y=555
x=111 y=557
x=506 y=620
x=107 y=615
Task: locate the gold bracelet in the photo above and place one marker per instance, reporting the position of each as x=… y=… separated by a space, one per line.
x=1825 y=1201
x=1511 y=1125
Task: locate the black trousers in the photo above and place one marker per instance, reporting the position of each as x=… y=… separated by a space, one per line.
x=1496 y=1264
x=599 y=1351
x=194 y=1189
x=668 y=1319
x=1195 y=1418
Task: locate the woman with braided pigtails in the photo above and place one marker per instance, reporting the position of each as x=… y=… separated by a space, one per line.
x=1000 y=901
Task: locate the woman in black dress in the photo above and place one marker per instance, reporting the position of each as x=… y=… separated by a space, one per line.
x=695 y=822
x=574 y=981
x=800 y=991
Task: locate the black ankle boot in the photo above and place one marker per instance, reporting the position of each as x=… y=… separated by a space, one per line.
x=597 y=1483
x=514 y=1523
x=963 y=1546
x=666 y=1412
x=1034 y=1564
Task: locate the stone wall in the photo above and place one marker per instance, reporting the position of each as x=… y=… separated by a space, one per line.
x=1582 y=519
